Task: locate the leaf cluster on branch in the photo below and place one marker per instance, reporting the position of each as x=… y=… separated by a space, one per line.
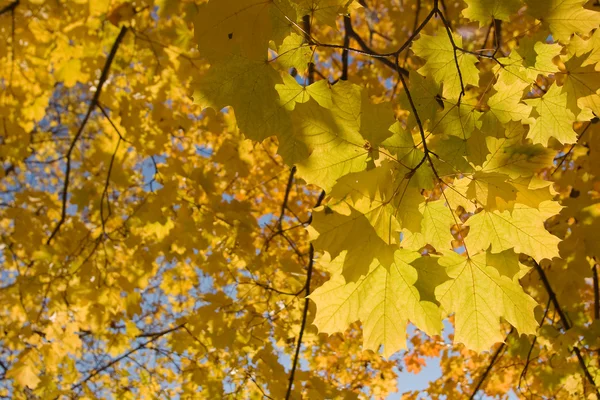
x=292 y=199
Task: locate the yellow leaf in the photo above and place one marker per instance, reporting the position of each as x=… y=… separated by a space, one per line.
x=551 y=118
x=25 y=371
x=383 y=300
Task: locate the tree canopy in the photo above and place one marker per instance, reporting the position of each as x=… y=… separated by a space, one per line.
x=297 y=199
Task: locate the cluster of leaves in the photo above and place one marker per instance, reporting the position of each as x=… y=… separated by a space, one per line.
x=161 y=160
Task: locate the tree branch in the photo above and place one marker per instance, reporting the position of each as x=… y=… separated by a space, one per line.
x=288 y=188
x=347 y=29
x=10 y=7
x=311 y=65
x=311 y=255
x=528 y=360
x=92 y=106
x=109 y=364
x=454 y=48
x=596 y=293
x=487 y=371
x=566 y=323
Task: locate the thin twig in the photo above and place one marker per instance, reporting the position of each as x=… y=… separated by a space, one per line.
x=487 y=35
x=566 y=155
x=109 y=364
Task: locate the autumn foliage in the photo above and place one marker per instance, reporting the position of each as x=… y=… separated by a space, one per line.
x=296 y=199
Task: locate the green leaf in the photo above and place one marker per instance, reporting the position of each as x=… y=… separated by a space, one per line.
x=564 y=17
x=552 y=118
x=485 y=11
x=249 y=87
x=294 y=52
x=437 y=221
x=383 y=300
x=222 y=28
x=506 y=104
x=479 y=296
x=335 y=233
x=438 y=53
x=522 y=229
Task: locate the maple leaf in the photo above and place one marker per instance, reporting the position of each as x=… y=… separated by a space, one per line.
x=222 y=29
x=485 y=11
x=447 y=165
x=440 y=64
x=437 y=220
x=509 y=156
x=564 y=17
x=337 y=136
x=479 y=296
x=581 y=85
x=25 y=371
x=553 y=118
x=506 y=103
x=249 y=87
x=383 y=300
x=525 y=224
x=338 y=232
x=592 y=46
x=294 y=52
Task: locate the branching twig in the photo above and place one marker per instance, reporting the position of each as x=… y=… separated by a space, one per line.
x=109 y=364
x=92 y=106
x=566 y=155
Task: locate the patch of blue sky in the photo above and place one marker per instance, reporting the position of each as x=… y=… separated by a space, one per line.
x=265 y=219
x=203 y=150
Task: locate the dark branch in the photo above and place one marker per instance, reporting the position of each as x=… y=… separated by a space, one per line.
x=10 y=7
x=566 y=323
x=286 y=197
x=347 y=29
x=596 y=293
x=93 y=104
x=311 y=65
x=497 y=35
x=109 y=364
x=454 y=49
x=487 y=371
x=528 y=360
x=311 y=255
